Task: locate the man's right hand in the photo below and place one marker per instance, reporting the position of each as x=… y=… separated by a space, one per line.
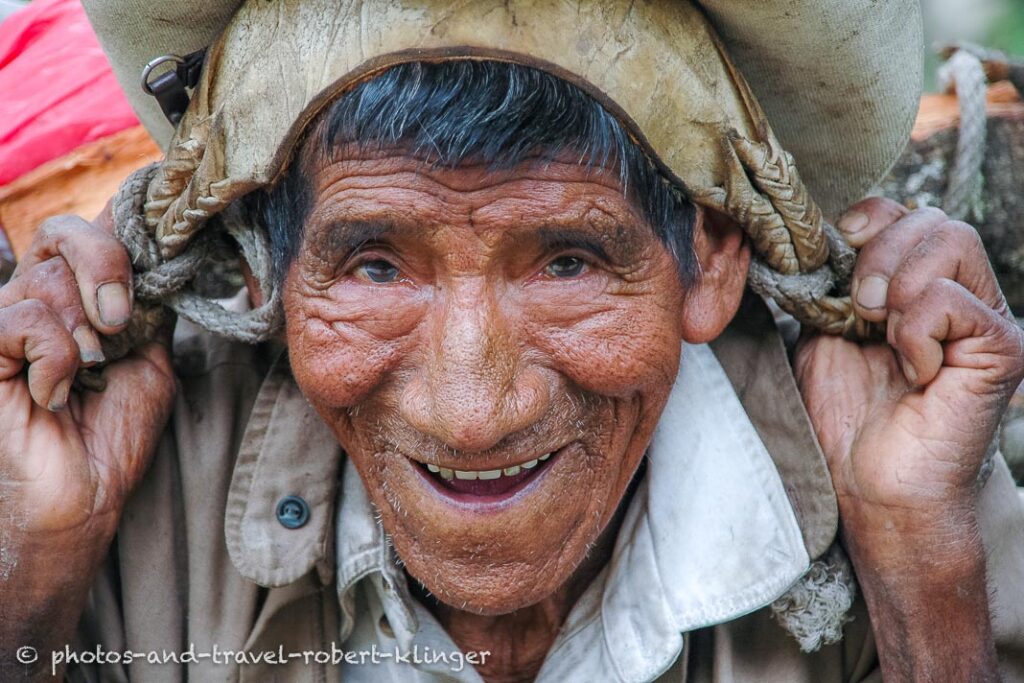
x=68 y=459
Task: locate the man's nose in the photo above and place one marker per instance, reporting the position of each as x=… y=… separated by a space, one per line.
x=474 y=388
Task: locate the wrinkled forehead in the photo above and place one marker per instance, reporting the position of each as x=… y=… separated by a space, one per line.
x=655 y=66
x=505 y=145
x=482 y=117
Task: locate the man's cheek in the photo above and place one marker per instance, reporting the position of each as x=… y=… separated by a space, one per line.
x=337 y=365
x=616 y=354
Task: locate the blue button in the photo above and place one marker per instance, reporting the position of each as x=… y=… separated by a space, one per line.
x=292 y=512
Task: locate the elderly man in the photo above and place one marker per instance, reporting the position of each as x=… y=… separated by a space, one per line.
x=491 y=439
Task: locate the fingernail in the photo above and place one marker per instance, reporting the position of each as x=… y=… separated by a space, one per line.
x=853 y=222
x=872 y=291
x=910 y=373
x=89 y=348
x=59 y=397
x=112 y=299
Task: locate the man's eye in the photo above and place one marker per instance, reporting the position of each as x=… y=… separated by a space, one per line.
x=565 y=266
x=379 y=271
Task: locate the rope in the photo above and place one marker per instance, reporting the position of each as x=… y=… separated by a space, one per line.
x=158 y=282
x=965 y=73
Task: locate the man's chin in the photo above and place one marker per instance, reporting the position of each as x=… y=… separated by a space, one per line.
x=496 y=548
x=489 y=590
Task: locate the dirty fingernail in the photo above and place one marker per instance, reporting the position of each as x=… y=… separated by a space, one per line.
x=59 y=397
x=853 y=222
x=89 y=348
x=872 y=291
x=112 y=299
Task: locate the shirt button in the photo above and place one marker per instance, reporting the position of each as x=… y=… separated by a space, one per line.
x=385 y=626
x=292 y=512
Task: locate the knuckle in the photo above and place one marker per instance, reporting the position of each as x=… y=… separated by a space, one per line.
x=930 y=213
x=941 y=291
x=26 y=314
x=52 y=280
x=46 y=230
x=50 y=270
x=901 y=292
x=56 y=226
x=33 y=308
x=961 y=233
x=871 y=256
x=1011 y=340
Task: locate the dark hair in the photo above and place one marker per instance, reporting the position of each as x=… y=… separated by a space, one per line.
x=486 y=111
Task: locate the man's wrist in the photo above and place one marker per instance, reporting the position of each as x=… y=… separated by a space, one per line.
x=43 y=596
x=914 y=539
x=922 y=573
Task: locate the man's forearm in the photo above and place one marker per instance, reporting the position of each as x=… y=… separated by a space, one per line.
x=923 y=579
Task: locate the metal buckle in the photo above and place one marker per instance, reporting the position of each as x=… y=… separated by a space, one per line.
x=170 y=88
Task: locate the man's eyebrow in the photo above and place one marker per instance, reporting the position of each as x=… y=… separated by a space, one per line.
x=344 y=237
x=610 y=245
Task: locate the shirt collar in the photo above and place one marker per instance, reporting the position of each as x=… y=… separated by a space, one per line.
x=710 y=535
x=286 y=451
x=710 y=485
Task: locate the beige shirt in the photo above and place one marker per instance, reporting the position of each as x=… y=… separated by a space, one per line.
x=205 y=583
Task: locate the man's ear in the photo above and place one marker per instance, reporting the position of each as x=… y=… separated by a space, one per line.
x=724 y=255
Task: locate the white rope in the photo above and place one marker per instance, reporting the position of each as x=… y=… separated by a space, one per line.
x=964 y=72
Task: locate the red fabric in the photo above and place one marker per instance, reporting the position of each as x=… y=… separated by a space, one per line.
x=57 y=91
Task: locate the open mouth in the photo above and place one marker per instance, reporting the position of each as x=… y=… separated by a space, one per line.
x=492 y=484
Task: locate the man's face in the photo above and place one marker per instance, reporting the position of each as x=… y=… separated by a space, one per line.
x=492 y=350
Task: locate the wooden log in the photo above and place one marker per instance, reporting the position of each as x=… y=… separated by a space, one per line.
x=78 y=183
x=920 y=176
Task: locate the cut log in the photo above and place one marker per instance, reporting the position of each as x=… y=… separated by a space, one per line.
x=920 y=176
x=78 y=183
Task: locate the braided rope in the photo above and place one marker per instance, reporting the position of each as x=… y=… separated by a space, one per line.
x=801 y=260
x=965 y=72
x=160 y=282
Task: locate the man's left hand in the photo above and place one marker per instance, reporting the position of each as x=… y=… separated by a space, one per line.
x=905 y=427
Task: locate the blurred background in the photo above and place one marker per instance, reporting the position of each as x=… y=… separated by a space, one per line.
x=997 y=24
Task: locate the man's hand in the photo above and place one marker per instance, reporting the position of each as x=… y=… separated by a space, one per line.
x=905 y=426
x=68 y=459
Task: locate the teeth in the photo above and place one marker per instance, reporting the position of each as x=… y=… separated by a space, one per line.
x=486 y=475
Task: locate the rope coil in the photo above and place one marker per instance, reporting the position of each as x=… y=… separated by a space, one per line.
x=160 y=282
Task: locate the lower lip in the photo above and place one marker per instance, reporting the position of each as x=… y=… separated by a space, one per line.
x=494 y=493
